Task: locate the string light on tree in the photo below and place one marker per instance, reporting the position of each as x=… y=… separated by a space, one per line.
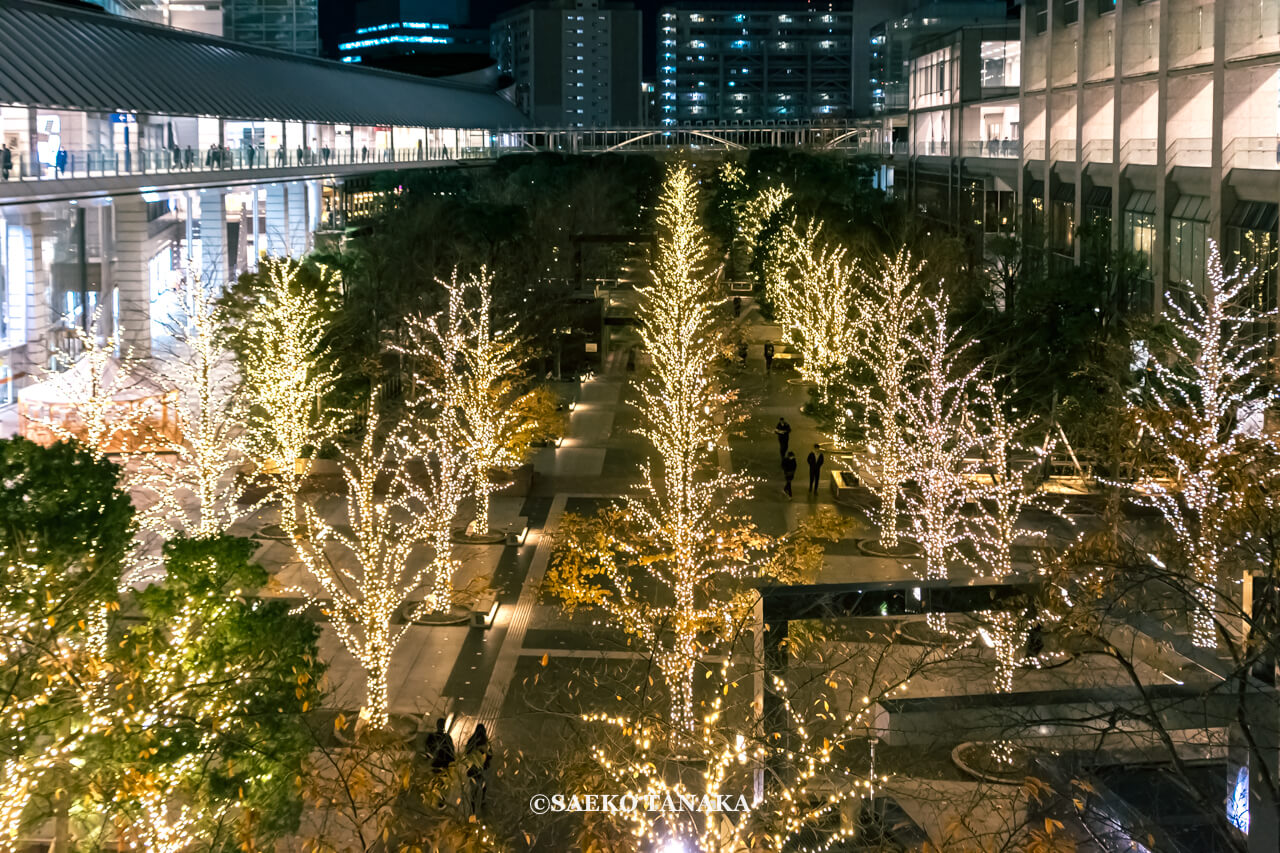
x=1192 y=424
x=374 y=572
x=939 y=421
x=890 y=304
x=814 y=305
x=286 y=375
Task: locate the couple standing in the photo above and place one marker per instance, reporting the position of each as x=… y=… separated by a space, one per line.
x=789 y=462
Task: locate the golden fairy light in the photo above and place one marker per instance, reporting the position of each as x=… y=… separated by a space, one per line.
x=890 y=303
x=286 y=377
x=940 y=424
x=814 y=301
x=1194 y=428
x=374 y=572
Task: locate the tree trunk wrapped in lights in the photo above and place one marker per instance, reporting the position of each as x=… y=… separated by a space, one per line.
x=376 y=568
x=286 y=375
x=814 y=300
x=1192 y=424
x=939 y=420
x=890 y=304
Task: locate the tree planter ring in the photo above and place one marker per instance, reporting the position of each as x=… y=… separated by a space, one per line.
x=462 y=537
x=872 y=548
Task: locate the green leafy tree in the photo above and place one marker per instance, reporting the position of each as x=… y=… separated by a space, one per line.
x=203 y=744
x=65 y=528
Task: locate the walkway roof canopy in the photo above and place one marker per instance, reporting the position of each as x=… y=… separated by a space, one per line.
x=61 y=58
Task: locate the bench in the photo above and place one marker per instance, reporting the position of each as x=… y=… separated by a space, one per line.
x=843 y=483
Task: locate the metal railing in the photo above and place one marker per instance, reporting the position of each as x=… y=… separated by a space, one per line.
x=105 y=163
x=1002 y=148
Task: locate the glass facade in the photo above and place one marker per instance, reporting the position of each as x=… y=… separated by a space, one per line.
x=292 y=25
x=1001 y=64
x=1189 y=240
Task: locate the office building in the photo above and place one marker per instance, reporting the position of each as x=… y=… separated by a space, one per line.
x=894 y=41
x=1157 y=122
x=427 y=37
x=292 y=25
x=575 y=63
x=722 y=64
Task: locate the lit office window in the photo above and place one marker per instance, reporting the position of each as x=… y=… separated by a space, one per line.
x=1001 y=64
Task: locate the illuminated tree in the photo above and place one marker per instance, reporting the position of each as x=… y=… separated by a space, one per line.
x=194 y=480
x=1192 y=425
x=286 y=375
x=891 y=302
x=367 y=576
x=65 y=530
x=435 y=345
x=200 y=741
x=814 y=304
x=99 y=371
x=682 y=510
x=496 y=429
x=939 y=422
x=1009 y=484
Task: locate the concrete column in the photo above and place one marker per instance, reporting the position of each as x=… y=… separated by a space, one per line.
x=1117 y=122
x=1162 y=159
x=1217 y=170
x=1078 y=205
x=277 y=242
x=213 y=238
x=257 y=236
x=30 y=312
x=132 y=276
x=296 y=219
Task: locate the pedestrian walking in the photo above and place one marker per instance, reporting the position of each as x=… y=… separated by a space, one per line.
x=6 y=161
x=280 y=155
x=299 y=161
x=249 y=154
x=190 y=157
x=364 y=153
x=737 y=306
x=768 y=356
x=480 y=755
x=783 y=432
x=439 y=747
x=815 y=460
x=789 y=465
x=60 y=161
x=742 y=353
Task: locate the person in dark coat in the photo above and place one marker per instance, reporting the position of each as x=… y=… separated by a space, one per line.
x=789 y=465
x=815 y=460
x=6 y=161
x=768 y=356
x=783 y=432
x=190 y=156
x=480 y=752
x=439 y=747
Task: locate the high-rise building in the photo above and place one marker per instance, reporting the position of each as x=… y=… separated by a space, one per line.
x=576 y=63
x=202 y=16
x=292 y=25
x=429 y=37
x=724 y=64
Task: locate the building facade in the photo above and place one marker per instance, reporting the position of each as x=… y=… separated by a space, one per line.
x=1156 y=122
x=423 y=36
x=575 y=63
x=292 y=25
x=895 y=41
x=725 y=65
